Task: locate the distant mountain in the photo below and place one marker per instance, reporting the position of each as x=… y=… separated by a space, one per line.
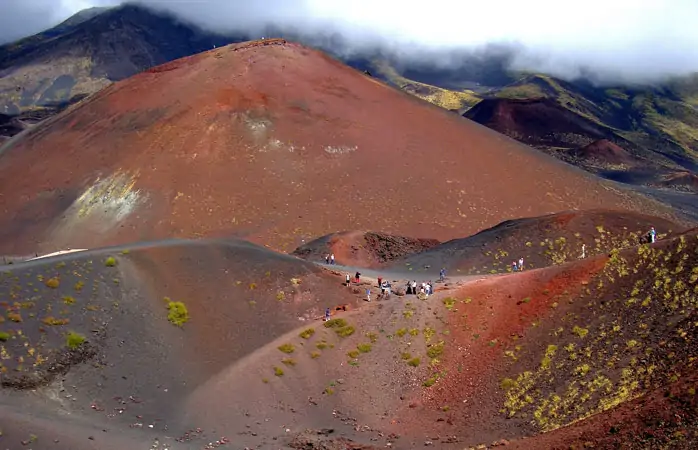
x=88 y=52
x=656 y=126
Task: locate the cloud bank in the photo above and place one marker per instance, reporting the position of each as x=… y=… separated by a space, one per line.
x=626 y=40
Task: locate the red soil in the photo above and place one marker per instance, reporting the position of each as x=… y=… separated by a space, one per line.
x=362 y=249
x=604 y=152
x=278 y=143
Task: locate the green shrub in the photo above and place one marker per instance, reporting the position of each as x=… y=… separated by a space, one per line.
x=177 y=313
x=364 y=348
x=4 y=337
x=336 y=323
x=74 y=340
x=53 y=283
x=345 y=331
x=110 y=262
x=287 y=348
x=306 y=334
x=278 y=371
x=414 y=362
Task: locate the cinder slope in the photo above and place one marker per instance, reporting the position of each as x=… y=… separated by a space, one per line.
x=541 y=241
x=565 y=343
x=275 y=142
x=362 y=249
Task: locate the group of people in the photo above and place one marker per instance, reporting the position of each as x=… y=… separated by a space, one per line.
x=329 y=258
x=517 y=266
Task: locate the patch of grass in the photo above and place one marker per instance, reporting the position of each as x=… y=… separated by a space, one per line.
x=53 y=282
x=4 y=336
x=353 y=354
x=406 y=356
x=435 y=350
x=431 y=380
x=308 y=333
x=507 y=384
x=287 y=348
x=110 y=262
x=373 y=337
x=407 y=314
x=364 y=348
x=315 y=355
x=177 y=313
x=52 y=321
x=401 y=332
x=526 y=300
x=74 y=340
x=68 y=300
x=289 y=361
x=79 y=285
x=449 y=302
x=278 y=371
x=329 y=391
x=414 y=332
x=579 y=331
x=322 y=345
x=414 y=362
x=345 y=331
x=280 y=296
x=336 y=323
x=14 y=317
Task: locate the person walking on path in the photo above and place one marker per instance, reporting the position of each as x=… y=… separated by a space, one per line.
x=653 y=235
x=521 y=261
x=348 y=279
x=327 y=258
x=442 y=274
x=584 y=251
x=380 y=281
x=414 y=287
x=368 y=294
x=332 y=259
x=357 y=277
x=327 y=314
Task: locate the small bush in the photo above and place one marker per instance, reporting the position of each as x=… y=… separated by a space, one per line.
x=406 y=356
x=322 y=345
x=68 y=300
x=4 y=337
x=435 y=350
x=287 y=348
x=401 y=332
x=280 y=296
x=315 y=355
x=177 y=313
x=407 y=314
x=579 y=331
x=507 y=384
x=353 y=354
x=278 y=371
x=74 y=340
x=414 y=332
x=307 y=334
x=364 y=348
x=14 y=317
x=79 y=285
x=414 y=362
x=373 y=337
x=53 y=283
x=289 y=361
x=345 y=331
x=449 y=302
x=336 y=323
x=110 y=262
x=50 y=320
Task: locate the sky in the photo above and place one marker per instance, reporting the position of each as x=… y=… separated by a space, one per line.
x=634 y=40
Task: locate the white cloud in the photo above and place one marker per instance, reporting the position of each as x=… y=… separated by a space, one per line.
x=632 y=38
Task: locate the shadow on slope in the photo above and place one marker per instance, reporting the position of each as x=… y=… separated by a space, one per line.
x=541 y=241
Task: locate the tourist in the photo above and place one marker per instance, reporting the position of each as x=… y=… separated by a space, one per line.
x=513 y=266
x=327 y=314
x=332 y=259
x=348 y=279
x=368 y=294
x=653 y=235
x=521 y=262
x=357 y=277
x=442 y=274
